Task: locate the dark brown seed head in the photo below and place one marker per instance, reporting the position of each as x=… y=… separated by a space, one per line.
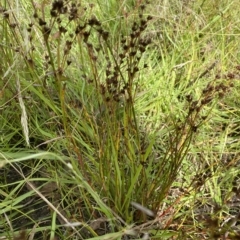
x=149 y=18
x=134 y=27
x=105 y=35
x=135 y=69
x=41 y=22
x=62 y=29
x=132 y=35
x=59 y=20
x=121 y=55
x=142 y=6
x=133 y=53
x=189 y=98
x=86 y=35
x=132 y=44
x=230 y=75
x=13 y=25
x=94 y=21
x=5 y=14
x=206 y=100
x=73 y=13
x=46 y=31
x=35 y=15
x=143 y=22
x=142 y=49
x=57 y=5
x=53 y=13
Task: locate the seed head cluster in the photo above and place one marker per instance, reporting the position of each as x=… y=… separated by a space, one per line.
x=214 y=90
x=67 y=23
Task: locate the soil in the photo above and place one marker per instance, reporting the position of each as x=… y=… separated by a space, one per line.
x=29 y=213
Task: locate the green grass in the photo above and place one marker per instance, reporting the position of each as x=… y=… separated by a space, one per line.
x=119 y=120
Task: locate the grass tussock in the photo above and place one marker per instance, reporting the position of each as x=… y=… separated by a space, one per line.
x=119 y=120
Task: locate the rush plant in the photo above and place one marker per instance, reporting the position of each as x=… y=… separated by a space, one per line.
x=92 y=135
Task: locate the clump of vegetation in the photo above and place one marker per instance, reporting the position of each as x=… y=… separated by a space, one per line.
x=117 y=123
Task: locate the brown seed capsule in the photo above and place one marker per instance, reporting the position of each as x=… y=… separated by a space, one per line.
x=231 y=75
x=53 y=13
x=132 y=35
x=189 y=98
x=194 y=128
x=94 y=21
x=134 y=27
x=62 y=29
x=57 y=5
x=105 y=35
x=86 y=35
x=142 y=49
x=133 y=53
x=41 y=22
x=221 y=94
x=35 y=15
x=5 y=14
x=46 y=30
x=149 y=18
x=121 y=55
x=135 y=69
x=206 y=100
x=142 y=6
x=143 y=22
